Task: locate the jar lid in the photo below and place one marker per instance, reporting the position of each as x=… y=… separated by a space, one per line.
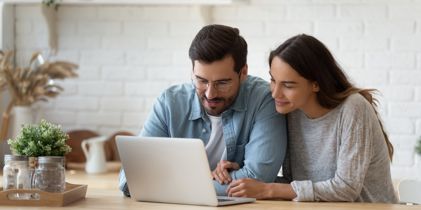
x=9 y=157
x=51 y=159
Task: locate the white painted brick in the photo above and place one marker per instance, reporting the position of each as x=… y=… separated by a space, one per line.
x=145 y=88
x=61 y=117
x=419 y=61
x=181 y=58
x=110 y=130
x=120 y=12
x=418 y=127
x=350 y=60
x=339 y=28
x=398 y=126
x=388 y=28
x=116 y=43
x=100 y=57
x=66 y=55
x=70 y=87
x=124 y=73
x=149 y=102
x=143 y=28
x=23 y=27
x=77 y=103
x=418 y=94
x=403 y=77
x=149 y=57
x=404 y=158
x=257 y=12
x=390 y=59
x=369 y=78
x=34 y=42
x=184 y=29
x=169 y=73
x=409 y=11
x=28 y=12
x=121 y=104
x=89 y=72
x=263 y=43
x=409 y=109
x=109 y=118
x=406 y=43
x=100 y=88
x=99 y=27
x=223 y=13
x=87 y=43
x=288 y=28
x=397 y=93
x=311 y=12
x=71 y=127
x=368 y=11
x=365 y=44
x=168 y=13
x=165 y=42
x=134 y=119
x=74 y=12
x=330 y=41
x=247 y=28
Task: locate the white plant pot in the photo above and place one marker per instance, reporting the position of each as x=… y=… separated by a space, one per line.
x=20 y=116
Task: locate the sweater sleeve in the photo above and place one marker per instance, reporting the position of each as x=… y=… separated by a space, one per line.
x=354 y=155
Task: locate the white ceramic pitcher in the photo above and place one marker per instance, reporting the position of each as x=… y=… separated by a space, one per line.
x=95 y=155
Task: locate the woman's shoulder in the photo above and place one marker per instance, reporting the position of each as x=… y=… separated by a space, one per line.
x=355 y=102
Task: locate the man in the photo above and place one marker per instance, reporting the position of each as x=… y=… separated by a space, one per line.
x=231 y=112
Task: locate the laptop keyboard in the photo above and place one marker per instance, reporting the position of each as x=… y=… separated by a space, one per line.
x=224 y=199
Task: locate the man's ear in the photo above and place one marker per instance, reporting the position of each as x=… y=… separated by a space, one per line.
x=244 y=73
x=315 y=87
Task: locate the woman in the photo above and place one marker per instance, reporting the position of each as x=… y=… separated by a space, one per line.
x=338 y=150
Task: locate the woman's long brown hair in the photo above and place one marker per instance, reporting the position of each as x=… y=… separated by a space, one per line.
x=313 y=61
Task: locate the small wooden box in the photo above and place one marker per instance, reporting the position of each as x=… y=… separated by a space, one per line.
x=71 y=194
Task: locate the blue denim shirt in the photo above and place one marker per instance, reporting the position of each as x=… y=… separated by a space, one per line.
x=254 y=133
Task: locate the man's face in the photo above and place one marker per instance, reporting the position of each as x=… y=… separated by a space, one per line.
x=217 y=84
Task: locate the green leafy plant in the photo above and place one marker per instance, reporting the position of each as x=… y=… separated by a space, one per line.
x=50 y=3
x=418 y=147
x=44 y=139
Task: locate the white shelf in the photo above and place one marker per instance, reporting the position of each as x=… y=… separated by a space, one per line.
x=132 y=2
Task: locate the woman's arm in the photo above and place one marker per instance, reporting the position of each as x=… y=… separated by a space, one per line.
x=260 y=190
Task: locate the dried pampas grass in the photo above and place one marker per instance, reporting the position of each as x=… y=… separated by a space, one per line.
x=31 y=84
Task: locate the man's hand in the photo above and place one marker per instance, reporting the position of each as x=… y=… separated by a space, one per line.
x=250 y=188
x=221 y=174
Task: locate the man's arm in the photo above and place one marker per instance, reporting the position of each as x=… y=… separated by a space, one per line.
x=265 y=151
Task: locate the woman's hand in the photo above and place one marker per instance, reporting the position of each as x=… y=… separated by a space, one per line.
x=221 y=172
x=249 y=188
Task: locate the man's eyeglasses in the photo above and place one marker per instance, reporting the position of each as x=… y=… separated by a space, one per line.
x=220 y=86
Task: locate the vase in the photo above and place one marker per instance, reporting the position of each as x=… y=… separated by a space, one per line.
x=20 y=116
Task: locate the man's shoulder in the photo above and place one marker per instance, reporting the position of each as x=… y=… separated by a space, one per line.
x=180 y=90
x=257 y=87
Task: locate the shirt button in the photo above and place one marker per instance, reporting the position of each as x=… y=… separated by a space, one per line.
x=203 y=130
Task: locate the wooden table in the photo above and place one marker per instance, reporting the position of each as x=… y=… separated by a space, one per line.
x=103 y=194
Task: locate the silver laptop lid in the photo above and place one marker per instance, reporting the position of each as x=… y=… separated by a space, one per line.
x=168 y=170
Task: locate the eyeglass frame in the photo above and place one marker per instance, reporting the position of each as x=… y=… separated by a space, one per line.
x=215 y=84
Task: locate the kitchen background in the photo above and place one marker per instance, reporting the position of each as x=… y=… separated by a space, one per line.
x=128 y=54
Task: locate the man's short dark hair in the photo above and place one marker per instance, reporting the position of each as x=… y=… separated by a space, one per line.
x=214 y=42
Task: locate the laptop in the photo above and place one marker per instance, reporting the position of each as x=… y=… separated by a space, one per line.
x=170 y=170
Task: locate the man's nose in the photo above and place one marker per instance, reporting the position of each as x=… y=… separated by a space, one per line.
x=210 y=91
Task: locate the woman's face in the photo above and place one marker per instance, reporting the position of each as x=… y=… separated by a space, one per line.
x=290 y=90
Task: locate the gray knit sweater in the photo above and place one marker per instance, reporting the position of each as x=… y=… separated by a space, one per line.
x=341 y=156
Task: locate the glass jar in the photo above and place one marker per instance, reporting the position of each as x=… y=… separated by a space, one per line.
x=50 y=174
x=16 y=173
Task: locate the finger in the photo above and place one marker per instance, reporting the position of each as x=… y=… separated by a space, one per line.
x=220 y=177
x=227 y=177
x=215 y=176
x=235 y=189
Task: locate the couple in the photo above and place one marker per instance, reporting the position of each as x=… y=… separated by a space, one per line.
x=337 y=149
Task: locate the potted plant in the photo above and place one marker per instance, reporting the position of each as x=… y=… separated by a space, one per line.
x=418 y=147
x=45 y=144
x=44 y=139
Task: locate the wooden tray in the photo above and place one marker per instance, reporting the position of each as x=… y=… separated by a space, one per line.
x=72 y=193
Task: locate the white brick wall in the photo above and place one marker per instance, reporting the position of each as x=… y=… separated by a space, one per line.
x=129 y=54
